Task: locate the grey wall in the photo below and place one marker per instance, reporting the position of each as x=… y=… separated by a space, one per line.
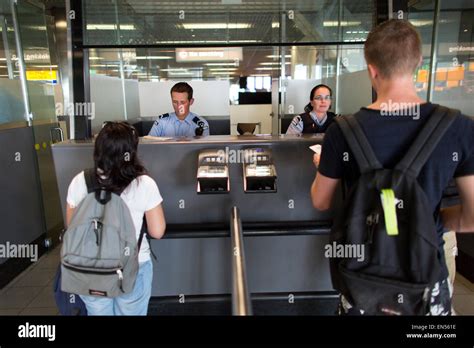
x=20 y=200
x=350 y=100
x=132 y=99
x=107 y=96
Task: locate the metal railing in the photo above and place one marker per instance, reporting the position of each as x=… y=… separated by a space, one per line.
x=241 y=304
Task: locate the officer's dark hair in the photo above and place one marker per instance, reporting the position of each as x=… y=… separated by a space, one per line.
x=315 y=88
x=183 y=87
x=394 y=47
x=309 y=107
x=115 y=156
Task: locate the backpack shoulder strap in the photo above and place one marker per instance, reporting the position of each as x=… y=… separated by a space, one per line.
x=427 y=140
x=358 y=143
x=101 y=195
x=142 y=233
x=91 y=180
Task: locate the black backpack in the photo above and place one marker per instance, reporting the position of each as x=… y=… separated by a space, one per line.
x=398 y=271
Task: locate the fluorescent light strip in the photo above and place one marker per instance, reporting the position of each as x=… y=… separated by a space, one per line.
x=221 y=64
x=342 y=23
x=222 y=72
x=223 y=69
x=182 y=73
x=35 y=27
x=176 y=69
x=110 y=27
x=207 y=41
x=104 y=65
x=420 y=22
x=199 y=26
x=267 y=68
x=152 y=57
x=42 y=66
x=273 y=63
x=279 y=56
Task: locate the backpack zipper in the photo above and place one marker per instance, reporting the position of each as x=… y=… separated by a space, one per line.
x=97 y=228
x=120 y=275
x=77 y=269
x=371 y=222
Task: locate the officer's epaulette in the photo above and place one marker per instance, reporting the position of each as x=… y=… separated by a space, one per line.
x=160 y=118
x=199 y=122
x=296 y=120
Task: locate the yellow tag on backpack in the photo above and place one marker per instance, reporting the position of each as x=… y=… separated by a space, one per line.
x=389 y=210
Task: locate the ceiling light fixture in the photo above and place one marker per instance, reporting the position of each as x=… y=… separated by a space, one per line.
x=152 y=57
x=198 y=26
x=110 y=27
x=223 y=69
x=279 y=56
x=267 y=68
x=221 y=64
x=207 y=41
x=341 y=23
x=222 y=72
x=273 y=63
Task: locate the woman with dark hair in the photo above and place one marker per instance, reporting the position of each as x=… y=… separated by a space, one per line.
x=316 y=118
x=118 y=169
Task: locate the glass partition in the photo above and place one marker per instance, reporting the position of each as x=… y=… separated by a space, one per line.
x=11 y=97
x=41 y=77
x=454 y=83
x=421 y=16
x=340 y=67
x=146 y=22
x=224 y=80
x=453 y=54
x=241 y=50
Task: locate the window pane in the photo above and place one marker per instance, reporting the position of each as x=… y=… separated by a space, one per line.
x=454 y=84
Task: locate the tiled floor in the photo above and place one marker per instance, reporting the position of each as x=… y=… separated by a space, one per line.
x=31 y=293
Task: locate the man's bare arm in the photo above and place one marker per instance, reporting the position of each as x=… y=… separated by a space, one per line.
x=460 y=218
x=322 y=191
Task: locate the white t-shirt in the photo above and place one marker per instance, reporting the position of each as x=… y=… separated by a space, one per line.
x=140 y=196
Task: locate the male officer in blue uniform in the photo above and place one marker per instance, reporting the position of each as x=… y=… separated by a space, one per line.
x=181 y=122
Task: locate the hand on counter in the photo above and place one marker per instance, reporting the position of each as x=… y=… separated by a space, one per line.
x=317 y=154
x=316 y=159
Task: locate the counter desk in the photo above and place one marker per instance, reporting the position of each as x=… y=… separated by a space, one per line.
x=284 y=236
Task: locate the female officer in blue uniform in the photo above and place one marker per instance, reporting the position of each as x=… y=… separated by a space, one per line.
x=316 y=118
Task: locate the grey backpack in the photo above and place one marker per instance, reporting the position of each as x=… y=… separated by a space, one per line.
x=99 y=255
